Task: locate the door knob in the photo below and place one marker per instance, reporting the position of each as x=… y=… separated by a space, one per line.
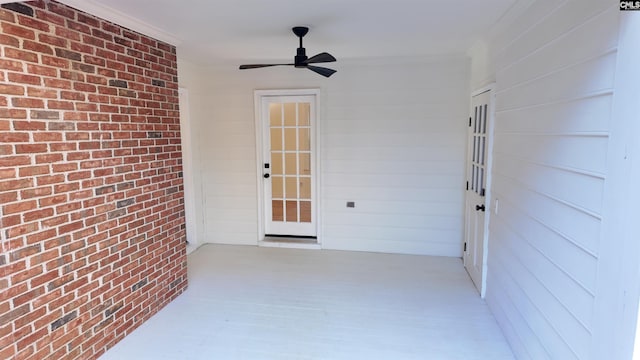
x=266 y=176
x=480 y=207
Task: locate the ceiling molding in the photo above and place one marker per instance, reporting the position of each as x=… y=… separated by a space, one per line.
x=95 y=8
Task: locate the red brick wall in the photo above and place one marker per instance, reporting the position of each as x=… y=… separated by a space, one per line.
x=91 y=194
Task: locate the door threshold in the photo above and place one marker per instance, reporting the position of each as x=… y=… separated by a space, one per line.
x=290 y=242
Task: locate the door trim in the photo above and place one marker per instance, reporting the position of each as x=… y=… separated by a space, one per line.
x=258 y=96
x=488 y=185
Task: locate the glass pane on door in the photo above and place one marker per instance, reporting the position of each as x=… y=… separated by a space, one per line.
x=291 y=167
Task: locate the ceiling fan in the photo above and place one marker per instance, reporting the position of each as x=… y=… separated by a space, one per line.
x=301 y=60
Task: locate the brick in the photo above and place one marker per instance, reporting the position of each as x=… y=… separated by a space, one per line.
x=102 y=35
x=14 y=137
x=67 y=54
x=41 y=93
x=84 y=68
x=61 y=126
x=19 y=8
x=33 y=23
x=7 y=173
x=33 y=170
x=50 y=180
x=79 y=27
x=60 y=105
x=71 y=95
x=70 y=227
x=27 y=297
x=69 y=34
x=12 y=65
x=12 y=53
x=63 y=320
x=19 y=207
x=97 y=117
x=84 y=87
x=37 y=47
x=41 y=70
x=15 y=184
x=18 y=31
x=139 y=285
x=55 y=62
x=14 y=314
x=51 y=18
x=72 y=75
x=24 y=79
x=47 y=137
x=93 y=60
x=94 y=41
x=11 y=89
x=48 y=158
x=25 y=252
x=31 y=148
x=57 y=83
x=9 y=221
x=22 y=229
x=53 y=200
x=76 y=115
x=40 y=237
x=45 y=115
x=53 y=40
x=27 y=103
x=118 y=83
x=62 y=10
x=13 y=113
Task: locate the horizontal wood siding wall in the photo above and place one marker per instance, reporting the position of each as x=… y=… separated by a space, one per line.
x=394 y=142
x=392 y=138
x=554 y=76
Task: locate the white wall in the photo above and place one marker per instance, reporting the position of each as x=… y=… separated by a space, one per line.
x=549 y=276
x=392 y=138
x=188 y=77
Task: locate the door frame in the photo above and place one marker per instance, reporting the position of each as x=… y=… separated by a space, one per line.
x=259 y=132
x=489 y=204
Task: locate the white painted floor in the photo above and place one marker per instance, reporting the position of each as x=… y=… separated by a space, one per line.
x=273 y=303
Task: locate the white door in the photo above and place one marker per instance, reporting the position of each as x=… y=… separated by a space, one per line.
x=288 y=168
x=475 y=247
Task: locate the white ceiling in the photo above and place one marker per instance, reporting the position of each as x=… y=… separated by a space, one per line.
x=226 y=31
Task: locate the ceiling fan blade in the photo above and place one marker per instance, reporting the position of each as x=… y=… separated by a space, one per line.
x=256 y=66
x=320 y=58
x=321 y=70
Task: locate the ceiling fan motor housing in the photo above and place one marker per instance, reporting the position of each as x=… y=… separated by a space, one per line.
x=301 y=57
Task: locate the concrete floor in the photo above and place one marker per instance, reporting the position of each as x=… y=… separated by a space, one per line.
x=273 y=303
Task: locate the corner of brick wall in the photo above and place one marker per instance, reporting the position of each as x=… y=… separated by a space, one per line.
x=92 y=223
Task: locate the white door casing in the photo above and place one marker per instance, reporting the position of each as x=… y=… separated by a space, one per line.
x=477 y=199
x=287 y=162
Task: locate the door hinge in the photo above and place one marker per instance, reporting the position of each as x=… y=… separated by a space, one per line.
x=469 y=121
x=465 y=247
x=482 y=192
x=467 y=186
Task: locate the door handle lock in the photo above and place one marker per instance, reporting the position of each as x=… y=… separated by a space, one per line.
x=480 y=208
x=266 y=176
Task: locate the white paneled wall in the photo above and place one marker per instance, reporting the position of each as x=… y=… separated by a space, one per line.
x=554 y=72
x=394 y=141
x=392 y=138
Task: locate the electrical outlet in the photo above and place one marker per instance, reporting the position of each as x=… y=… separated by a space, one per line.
x=351 y=204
